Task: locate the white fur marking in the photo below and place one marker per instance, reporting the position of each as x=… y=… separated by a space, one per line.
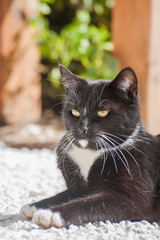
x=83 y=143
x=85 y=111
x=47 y=218
x=132 y=138
x=27 y=212
x=84 y=158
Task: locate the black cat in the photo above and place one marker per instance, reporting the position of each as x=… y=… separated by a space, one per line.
x=111 y=165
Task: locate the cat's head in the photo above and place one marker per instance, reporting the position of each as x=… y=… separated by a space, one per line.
x=100 y=108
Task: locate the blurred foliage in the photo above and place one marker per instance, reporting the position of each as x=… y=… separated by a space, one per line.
x=76 y=34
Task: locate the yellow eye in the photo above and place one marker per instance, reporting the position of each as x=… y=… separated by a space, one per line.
x=75 y=113
x=102 y=113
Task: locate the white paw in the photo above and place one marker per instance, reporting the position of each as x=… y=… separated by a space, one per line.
x=27 y=212
x=46 y=219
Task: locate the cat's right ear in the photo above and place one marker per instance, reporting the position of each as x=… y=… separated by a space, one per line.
x=69 y=80
x=126 y=81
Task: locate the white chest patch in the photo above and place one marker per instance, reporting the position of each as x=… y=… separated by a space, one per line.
x=84 y=158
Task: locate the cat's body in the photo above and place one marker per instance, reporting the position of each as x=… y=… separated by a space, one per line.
x=111 y=165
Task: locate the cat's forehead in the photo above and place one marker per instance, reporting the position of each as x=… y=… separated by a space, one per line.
x=101 y=82
x=95 y=88
x=89 y=95
x=92 y=94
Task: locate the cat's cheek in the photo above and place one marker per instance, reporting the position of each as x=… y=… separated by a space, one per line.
x=47 y=218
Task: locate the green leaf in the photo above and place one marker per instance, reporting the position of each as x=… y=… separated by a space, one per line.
x=44 y=9
x=48 y=1
x=83 y=16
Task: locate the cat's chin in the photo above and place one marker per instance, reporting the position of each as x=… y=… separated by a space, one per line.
x=83 y=143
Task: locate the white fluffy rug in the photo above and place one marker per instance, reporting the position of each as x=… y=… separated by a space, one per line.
x=27 y=176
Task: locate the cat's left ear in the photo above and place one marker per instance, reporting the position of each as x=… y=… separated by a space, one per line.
x=127 y=82
x=69 y=80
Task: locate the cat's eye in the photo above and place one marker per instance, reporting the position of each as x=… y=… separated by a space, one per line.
x=102 y=113
x=75 y=113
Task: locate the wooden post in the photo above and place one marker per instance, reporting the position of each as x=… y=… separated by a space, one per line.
x=136 y=37
x=153 y=90
x=20 y=89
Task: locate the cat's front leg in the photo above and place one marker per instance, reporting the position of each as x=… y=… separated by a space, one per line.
x=29 y=210
x=78 y=212
x=93 y=208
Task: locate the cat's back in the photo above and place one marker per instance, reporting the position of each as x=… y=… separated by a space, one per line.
x=158 y=138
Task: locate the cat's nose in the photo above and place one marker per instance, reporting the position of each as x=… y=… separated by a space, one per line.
x=83 y=126
x=83 y=129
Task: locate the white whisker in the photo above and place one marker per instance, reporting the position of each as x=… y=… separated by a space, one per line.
x=66 y=141
x=114 y=149
x=127 y=152
x=111 y=141
x=108 y=149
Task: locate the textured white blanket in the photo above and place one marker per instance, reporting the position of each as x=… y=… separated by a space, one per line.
x=27 y=176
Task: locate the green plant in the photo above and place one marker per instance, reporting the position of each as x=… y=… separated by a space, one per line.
x=80 y=41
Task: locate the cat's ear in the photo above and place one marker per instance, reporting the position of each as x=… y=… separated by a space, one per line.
x=127 y=82
x=69 y=80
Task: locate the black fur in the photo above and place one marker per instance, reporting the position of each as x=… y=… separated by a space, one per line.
x=123 y=183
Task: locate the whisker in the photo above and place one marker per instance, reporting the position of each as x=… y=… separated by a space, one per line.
x=66 y=141
x=56 y=105
x=94 y=140
x=53 y=145
x=130 y=155
x=111 y=141
x=114 y=149
x=107 y=147
x=72 y=99
x=109 y=134
x=105 y=100
x=102 y=91
x=118 y=146
x=104 y=155
x=123 y=141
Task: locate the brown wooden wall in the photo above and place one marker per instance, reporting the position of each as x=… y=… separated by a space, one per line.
x=136 y=36
x=20 y=89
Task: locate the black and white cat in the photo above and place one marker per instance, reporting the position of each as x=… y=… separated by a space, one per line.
x=111 y=165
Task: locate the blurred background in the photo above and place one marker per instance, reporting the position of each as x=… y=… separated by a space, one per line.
x=93 y=38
